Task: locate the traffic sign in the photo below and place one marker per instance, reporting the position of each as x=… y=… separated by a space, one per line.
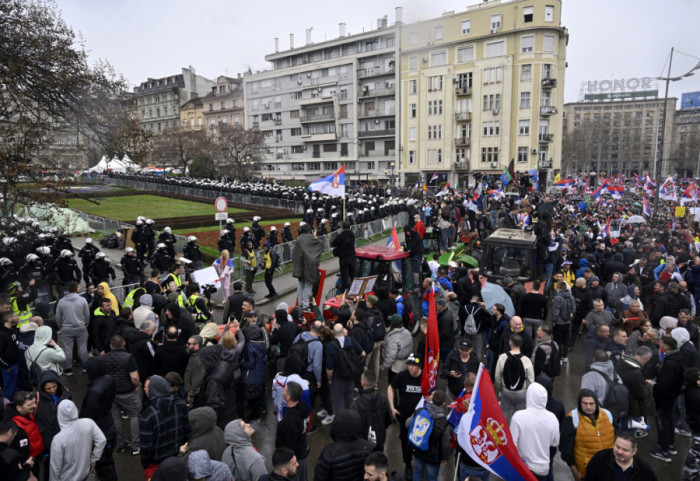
x=221 y=216
x=221 y=204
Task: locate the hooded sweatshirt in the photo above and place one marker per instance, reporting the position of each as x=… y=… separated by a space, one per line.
x=535 y=430
x=205 y=434
x=595 y=382
x=47 y=407
x=108 y=294
x=200 y=466
x=343 y=460
x=240 y=456
x=72 y=312
x=46 y=357
x=78 y=446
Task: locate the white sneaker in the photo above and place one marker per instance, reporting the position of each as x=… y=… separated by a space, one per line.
x=322 y=413
x=328 y=420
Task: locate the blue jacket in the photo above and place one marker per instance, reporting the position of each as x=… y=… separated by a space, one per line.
x=583 y=265
x=254 y=362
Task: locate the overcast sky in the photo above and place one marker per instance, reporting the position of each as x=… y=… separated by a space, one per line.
x=148 y=38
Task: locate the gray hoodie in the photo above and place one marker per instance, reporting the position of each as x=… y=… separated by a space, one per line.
x=72 y=312
x=78 y=446
x=46 y=357
x=200 y=466
x=246 y=463
x=595 y=382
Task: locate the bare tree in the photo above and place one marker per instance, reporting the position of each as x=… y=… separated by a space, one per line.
x=177 y=147
x=239 y=150
x=685 y=158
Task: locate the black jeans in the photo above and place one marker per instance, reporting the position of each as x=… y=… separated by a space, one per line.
x=347 y=272
x=269 y=273
x=664 y=427
x=560 y=332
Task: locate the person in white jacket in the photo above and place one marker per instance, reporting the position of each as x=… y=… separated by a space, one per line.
x=76 y=449
x=535 y=430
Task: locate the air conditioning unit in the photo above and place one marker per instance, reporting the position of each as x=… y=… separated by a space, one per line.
x=425 y=59
x=430 y=43
x=376 y=121
x=494 y=165
x=495 y=111
x=455 y=80
x=494 y=30
x=299 y=81
x=534 y=151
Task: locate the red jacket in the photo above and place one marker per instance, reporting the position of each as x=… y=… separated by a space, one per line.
x=420 y=228
x=36 y=445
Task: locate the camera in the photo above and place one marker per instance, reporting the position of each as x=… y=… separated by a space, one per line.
x=208 y=290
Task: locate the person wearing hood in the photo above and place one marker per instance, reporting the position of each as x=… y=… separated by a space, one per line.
x=241 y=457
x=291 y=372
x=25 y=338
x=582 y=266
x=72 y=318
x=343 y=459
x=51 y=392
x=292 y=428
x=97 y=405
x=144 y=312
x=172 y=469
x=585 y=431
x=399 y=345
x=614 y=291
x=201 y=466
x=44 y=353
x=439 y=450
x=283 y=333
x=205 y=434
x=535 y=431
x=175 y=316
x=254 y=366
x=163 y=425
x=104 y=292
x=78 y=446
x=597 y=290
x=690 y=359
x=563 y=310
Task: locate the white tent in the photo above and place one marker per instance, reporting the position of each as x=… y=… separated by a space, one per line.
x=129 y=164
x=114 y=165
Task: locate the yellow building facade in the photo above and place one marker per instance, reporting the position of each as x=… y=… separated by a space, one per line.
x=481 y=87
x=192 y=115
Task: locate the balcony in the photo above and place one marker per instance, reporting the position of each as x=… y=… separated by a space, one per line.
x=371 y=113
x=463 y=116
x=278 y=121
x=462 y=142
x=463 y=91
x=546 y=138
x=545 y=164
x=378 y=154
x=382 y=92
x=323 y=137
x=373 y=72
x=549 y=83
x=547 y=110
x=463 y=165
x=316 y=118
x=377 y=133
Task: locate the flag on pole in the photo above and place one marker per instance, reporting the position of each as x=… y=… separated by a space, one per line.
x=333 y=185
x=667 y=191
x=534 y=177
x=647 y=210
x=557 y=178
x=690 y=193
x=459 y=408
x=598 y=192
x=393 y=242
x=432 y=349
x=606 y=230
x=505 y=177
x=434 y=177
x=484 y=435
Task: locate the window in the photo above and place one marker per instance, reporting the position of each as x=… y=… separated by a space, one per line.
x=434 y=156
x=411 y=157
x=546 y=99
x=412 y=111
x=495 y=49
x=295 y=132
x=547 y=71
x=524 y=100
x=438 y=32
x=489 y=154
x=548 y=13
x=522 y=154
x=526 y=72
x=527 y=42
x=293 y=114
x=490 y=129
x=464 y=80
x=495 y=21
x=413 y=63
x=492 y=102
x=548 y=45
x=412 y=86
x=330 y=147
x=430 y=132
x=438 y=58
x=465 y=54
x=295 y=96
x=412 y=134
x=492 y=75
x=343 y=150
x=413 y=38
x=435 y=83
x=524 y=127
x=466 y=27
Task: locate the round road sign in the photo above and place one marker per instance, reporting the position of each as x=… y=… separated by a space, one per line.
x=221 y=204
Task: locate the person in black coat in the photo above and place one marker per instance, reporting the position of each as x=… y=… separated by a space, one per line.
x=414 y=244
x=171 y=356
x=292 y=428
x=374 y=411
x=284 y=332
x=174 y=316
x=669 y=383
x=97 y=405
x=607 y=463
x=141 y=345
x=344 y=249
x=456 y=367
x=344 y=458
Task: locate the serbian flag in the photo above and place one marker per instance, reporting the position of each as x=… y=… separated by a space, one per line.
x=667 y=191
x=606 y=230
x=434 y=177
x=483 y=433
x=599 y=191
x=616 y=191
x=393 y=242
x=432 y=349
x=690 y=194
x=647 y=210
x=459 y=408
x=333 y=185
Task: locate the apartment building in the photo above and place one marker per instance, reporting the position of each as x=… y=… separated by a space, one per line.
x=159 y=100
x=481 y=87
x=327 y=104
x=224 y=103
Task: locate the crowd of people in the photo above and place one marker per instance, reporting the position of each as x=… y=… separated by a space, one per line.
x=184 y=394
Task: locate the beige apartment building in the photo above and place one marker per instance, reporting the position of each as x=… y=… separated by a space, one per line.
x=224 y=103
x=481 y=87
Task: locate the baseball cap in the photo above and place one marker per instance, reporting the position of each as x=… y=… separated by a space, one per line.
x=466 y=345
x=414 y=360
x=396 y=319
x=252 y=314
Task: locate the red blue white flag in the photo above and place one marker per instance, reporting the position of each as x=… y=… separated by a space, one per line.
x=333 y=185
x=647 y=210
x=393 y=242
x=432 y=349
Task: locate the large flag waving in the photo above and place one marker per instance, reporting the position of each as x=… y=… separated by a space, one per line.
x=432 y=349
x=333 y=185
x=483 y=433
x=647 y=210
x=393 y=242
x=667 y=191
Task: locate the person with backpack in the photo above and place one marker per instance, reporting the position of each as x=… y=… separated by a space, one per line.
x=254 y=366
x=429 y=436
x=585 y=431
x=399 y=345
x=44 y=355
x=563 y=309
x=630 y=369
x=474 y=320
x=456 y=367
x=514 y=373
x=546 y=358
x=375 y=321
x=600 y=375
x=344 y=358
x=373 y=408
x=308 y=347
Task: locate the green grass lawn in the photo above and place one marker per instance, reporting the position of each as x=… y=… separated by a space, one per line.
x=151 y=206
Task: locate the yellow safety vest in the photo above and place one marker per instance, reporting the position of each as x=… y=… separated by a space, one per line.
x=129 y=301
x=23 y=316
x=198 y=313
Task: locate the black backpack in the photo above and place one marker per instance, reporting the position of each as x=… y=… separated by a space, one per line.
x=513 y=372
x=552 y=368
x=35 y=371
x=376 y=321
x=406 y=316
x=301 y=349
x=349 y=365
x=617 y=400
x=367 y=338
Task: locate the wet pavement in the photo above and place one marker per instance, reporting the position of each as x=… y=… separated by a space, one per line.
x=566 y=388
